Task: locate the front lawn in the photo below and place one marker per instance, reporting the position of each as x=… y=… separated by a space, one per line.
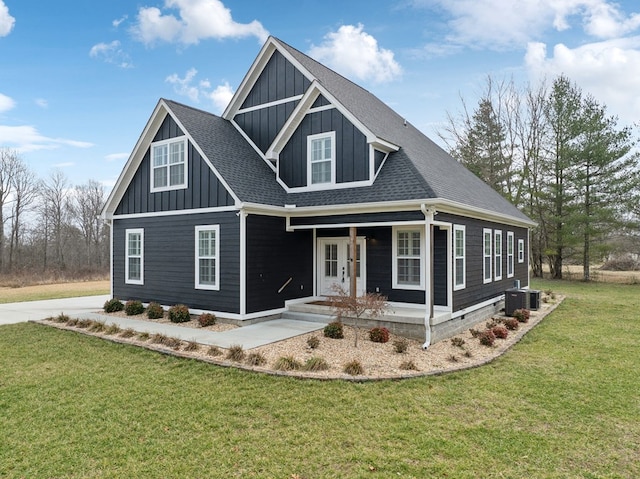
x=563 y=403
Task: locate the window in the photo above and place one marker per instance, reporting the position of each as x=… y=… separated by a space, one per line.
x=321 y=155
x=497 y=240
x=408 y=259
x=207 y=257
x=459 y=263
x=487 y=247
x=134 y=256
x=520 y=251
x=168 y=165
x=509 y=254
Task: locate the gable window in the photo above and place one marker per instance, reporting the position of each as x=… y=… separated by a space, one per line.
x=509 y=254
x=321 y=158
x=520 y=251
x=487 y=256
x=169 y=164
x=459 y=264
x=207 y=255
x=408 y=261
x=134 y=256
x=497 y=239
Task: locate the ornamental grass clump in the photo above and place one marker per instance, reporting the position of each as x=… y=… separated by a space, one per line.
x=458 y=342
x=256 y=359
x=315 y=363
x=214 y=351
x=61 y=318
x=191 y=346
x=133 y=307
x=287 y=363
x=353 y=368
x=179 y=313
x=112 y=329
x=155 y=311
x=97 y=326
x=113 y=306
x=408 y=366
x=235 y=353
x=334 y=330
x=379 y=335
x=128 y=333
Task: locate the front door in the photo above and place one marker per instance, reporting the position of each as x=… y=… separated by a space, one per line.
x=334 y=265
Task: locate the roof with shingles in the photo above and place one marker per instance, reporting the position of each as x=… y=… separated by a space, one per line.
x=419 y=170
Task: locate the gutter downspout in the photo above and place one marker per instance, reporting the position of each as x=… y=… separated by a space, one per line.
x=428 y=220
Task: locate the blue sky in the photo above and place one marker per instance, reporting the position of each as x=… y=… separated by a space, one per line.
x=79 y=79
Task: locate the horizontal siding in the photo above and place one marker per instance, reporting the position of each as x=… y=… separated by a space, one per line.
x=169 y=261
x=274 y=256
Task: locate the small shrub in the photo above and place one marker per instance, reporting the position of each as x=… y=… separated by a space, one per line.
x=313 y=342
x=165 y=340
x=401 y=345
x=128 y=333
x=207 y=319
x=191 y=346
x=113 y=305
x=235 y=353
x=72 y=321
x=453 y=358
x=133 y=307
x=474 y=333
x=522 y=315
x=173 y=343
x=287 y=363
x=379 y=335
x=353 y=368
x=84 y=323
x=408 y=366
x=256 y=359
x=61 y=318
x=144 y=336
x=97 y=327
x=214 y=351
x=334 y=330
x=511 y=324
x=500 y=332
x=315 y=363
x=487 y=338
x=458 y=342
x=113 y=328
x=179 y=313
x=491 y=324
x=468 y=354
x=155 y=311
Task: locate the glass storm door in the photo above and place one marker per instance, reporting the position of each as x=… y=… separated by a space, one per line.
x=334 y=265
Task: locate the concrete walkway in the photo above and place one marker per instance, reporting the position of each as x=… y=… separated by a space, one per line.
x=88 y=307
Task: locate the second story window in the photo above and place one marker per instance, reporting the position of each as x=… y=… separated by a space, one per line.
x=321 y=154
x=168 y=165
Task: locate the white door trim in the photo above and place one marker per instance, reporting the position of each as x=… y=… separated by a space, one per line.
x=342 y=243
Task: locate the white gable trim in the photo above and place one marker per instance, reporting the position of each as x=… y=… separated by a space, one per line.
x=137 y=155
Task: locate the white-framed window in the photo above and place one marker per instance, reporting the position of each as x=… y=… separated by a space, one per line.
x=321 y=154
x=497 y=254
x=408 y=258
x=487 y=246
x=459 y=256
x=520 y=250
x=169 y=164
x=509 y=254
x=134 y=256
x=207 y=256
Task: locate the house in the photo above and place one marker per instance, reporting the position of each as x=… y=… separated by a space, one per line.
x=248 y=214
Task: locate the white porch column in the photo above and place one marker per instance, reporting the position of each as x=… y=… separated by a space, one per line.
x=428 y=272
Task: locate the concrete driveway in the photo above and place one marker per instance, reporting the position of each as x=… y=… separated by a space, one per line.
x=35 y=310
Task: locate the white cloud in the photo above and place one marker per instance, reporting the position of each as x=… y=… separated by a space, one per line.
x=221 y=96
x=66 y=164
x=116 y=23
x=608 y=70
x=354 y=53
x=111 y=53
x=42 y=103
x=27 y=138
x=117 y=156
x=183 y=86
x=197 y=20
x=6 y=103
x=506 y=23
x=6 y=20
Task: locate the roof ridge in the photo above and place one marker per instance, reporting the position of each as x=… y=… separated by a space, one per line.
x=167 y=100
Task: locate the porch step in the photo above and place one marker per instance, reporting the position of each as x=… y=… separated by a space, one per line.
x=305 y=316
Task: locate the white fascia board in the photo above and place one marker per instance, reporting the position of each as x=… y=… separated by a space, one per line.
x=137 y=154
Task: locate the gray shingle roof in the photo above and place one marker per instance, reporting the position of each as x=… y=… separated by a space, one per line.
x=419 y=170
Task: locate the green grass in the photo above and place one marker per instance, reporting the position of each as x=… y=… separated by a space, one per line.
x=563 y=403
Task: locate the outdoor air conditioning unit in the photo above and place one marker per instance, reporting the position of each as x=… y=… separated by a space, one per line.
x=515 y=299
x=534 y=299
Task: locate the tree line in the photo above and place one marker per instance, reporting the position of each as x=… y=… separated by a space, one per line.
x=556 y=154
x=49 y=227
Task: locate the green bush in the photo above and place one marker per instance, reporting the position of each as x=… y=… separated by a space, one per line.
x=354 y=368
x=113 y=305
x=179 y=313
x=334 y=330
x=207 y=319
x=133 y=307
x=155 y=311
x=379 y=335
